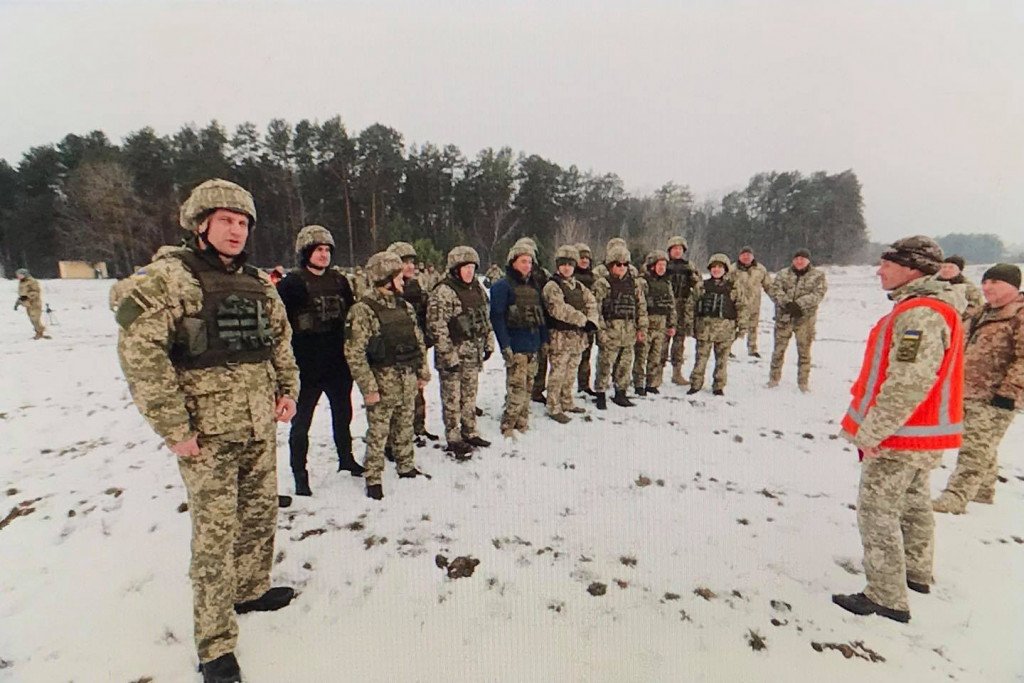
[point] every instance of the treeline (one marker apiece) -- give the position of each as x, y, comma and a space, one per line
90, 199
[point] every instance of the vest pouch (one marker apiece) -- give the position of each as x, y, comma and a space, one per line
242, 324
376, 351
711, 305
190, 338
328, 308
304, 322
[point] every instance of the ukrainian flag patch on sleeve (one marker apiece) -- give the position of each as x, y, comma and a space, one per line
909, 344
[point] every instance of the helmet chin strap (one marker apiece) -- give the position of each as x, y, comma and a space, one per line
206, 244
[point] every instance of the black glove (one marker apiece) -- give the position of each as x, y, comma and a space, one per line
590, 326
1004, 402
487, 354
793, 308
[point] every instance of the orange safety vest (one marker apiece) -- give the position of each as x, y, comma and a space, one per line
937, 423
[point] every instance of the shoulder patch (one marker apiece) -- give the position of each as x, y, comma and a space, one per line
908, 346
128, 312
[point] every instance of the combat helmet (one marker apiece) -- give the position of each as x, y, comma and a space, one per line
312, 236
567, 252
21, 272
617, 254
403, 250
654, 256
518, 249
461, 255
382, 267
215, 194
529, 242
719, 258
584, 250
677, 241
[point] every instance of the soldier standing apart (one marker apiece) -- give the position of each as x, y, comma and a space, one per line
649, 364
622, 322
457, 317
907, 407
719, 305
585, 276
517, 318
797, 292
952, 271
30, 295
993, 389
416, 296
317, 298
685, 278
384, 348
571, 315
750, 278
205, 346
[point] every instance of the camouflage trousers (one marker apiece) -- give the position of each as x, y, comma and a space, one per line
720, 374
541, 376
784, 331
389, 422
419, 418
583, 373
977, 463
458, 400
615, 346
564, 352
648, 363
676, 347
35, 316
519, 374
232, 500
897, 529
748, 328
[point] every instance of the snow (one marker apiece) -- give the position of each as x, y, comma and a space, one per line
750, 496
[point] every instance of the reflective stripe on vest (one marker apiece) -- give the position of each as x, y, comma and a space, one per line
937, 423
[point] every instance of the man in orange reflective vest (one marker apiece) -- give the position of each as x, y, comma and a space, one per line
907, 408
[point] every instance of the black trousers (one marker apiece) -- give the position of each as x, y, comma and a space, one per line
338, 388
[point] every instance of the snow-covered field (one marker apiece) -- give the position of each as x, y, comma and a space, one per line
746, 499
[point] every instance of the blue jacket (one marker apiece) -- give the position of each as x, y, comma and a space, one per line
521, 341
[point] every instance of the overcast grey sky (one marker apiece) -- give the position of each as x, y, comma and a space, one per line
924, 100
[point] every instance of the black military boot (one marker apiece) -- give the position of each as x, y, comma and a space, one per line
375, 491
718, 392
428, 435
271, 601
692, 390
349, 464
224, 669
620, 399
641, 392
389, 454
412, 474
653, 390
284, 501
586, 390
478, 412
477, 442
919, 587
302, 483
601, 400
858, 603
460, 450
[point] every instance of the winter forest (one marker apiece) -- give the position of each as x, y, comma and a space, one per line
88, 198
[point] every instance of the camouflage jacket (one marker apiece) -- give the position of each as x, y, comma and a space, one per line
442, 307
556, 306
994, 357
908, 381
121, 288
806, 289
645, 287
602, 287
494, 273
974, 299
236, 401
751, 281
30, 295
361, 325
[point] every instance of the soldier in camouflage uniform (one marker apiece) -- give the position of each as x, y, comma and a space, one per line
649, 363
719, 304
750, 278
30, 295
416, 296
622, 322
952, 272
905, 410
517, 318
685, 278
571, 315
585, 276
317, 298
492, 275
384, 348
993, 389
430, 277
457, 317
205, 346
797, 292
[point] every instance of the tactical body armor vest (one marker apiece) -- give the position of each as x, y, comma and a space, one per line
659, 295
324, 309
715, 301
231, 327
586, 277
472, 322
396, 344
573, 297
414, 295
526, 312
621, 303
680, 273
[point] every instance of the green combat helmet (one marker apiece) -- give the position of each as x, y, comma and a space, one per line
383, 267
616, 253
567, 252
719, 258
212, 195
312, 236
518, 249
584, 250
654, 256
21, 272
529, 242
403, 250
677, 241
461, 255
